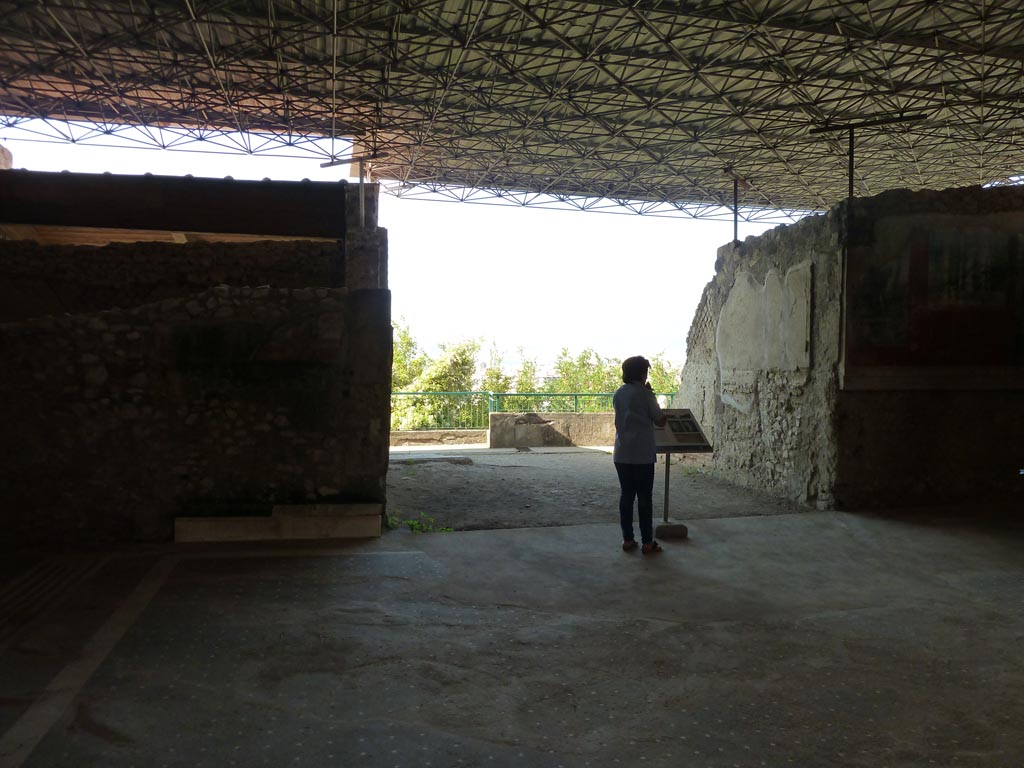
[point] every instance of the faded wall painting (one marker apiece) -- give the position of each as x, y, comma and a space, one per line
934, 293
763, 328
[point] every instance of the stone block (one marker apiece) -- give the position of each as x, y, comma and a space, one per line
671, 530
287, 523
533, 430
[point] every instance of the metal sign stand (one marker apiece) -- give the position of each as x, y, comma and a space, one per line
669, 529
680, 434
668, 465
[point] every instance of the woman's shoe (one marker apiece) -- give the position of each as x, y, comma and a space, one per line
650, 547
628, 546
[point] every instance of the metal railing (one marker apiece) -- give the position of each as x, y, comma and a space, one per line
439, 410
551, 402
471, 410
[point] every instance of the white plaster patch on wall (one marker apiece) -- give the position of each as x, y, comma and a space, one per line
763, 328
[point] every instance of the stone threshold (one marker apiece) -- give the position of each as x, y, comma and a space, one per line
287, 522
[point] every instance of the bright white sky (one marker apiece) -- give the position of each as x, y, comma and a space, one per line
514, 277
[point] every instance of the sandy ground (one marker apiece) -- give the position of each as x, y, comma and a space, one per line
473, 488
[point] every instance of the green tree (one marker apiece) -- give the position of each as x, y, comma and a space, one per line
589, 372
408, 360
524, 380
526, 376
586, 372
664, 375
494, 378
451, 371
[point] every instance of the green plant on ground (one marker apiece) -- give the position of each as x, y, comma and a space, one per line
421, 524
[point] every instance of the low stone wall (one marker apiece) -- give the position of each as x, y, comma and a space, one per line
538, 430
438, 436
228, 401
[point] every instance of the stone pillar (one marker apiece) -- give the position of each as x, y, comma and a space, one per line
366, 258
6, 159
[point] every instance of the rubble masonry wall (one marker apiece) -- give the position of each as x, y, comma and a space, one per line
942, 419
230, 378
760, 371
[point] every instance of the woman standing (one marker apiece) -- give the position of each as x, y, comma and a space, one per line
636, 414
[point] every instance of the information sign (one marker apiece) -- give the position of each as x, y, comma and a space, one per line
681, 433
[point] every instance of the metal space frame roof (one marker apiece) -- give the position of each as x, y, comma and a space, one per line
655, 106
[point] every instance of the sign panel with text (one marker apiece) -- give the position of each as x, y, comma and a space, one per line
681, 433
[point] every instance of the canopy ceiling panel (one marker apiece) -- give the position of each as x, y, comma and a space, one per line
660, 103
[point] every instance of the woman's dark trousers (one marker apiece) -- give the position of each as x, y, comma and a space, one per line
636, 482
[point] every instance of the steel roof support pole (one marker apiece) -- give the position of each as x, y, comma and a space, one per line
362, 194
735, 210
850, 193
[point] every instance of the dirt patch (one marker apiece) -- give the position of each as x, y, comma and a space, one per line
487, 489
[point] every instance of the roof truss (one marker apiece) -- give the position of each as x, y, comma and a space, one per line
651, 106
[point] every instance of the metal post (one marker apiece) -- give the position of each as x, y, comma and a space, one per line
668, 463
362, 196
735, 210
850, 195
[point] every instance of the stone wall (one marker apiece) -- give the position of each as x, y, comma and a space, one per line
934, 448
761, 360
229, 400
366, 258
931, 411
539, 430
400, 437
39, 280
925, 418
145, 381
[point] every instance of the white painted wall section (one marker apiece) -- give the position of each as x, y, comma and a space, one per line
763, 328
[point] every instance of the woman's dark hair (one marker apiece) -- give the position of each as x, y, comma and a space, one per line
635, 369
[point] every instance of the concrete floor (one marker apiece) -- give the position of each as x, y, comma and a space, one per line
811, 639
475, 488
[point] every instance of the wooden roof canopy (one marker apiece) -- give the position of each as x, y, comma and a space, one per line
655, 107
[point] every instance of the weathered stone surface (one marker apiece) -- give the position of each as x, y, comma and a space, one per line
38, 280
938, 419
116, 422
766, 326
533, 430
439, 437
759, 367
6, 159
767, 392
359, 521
366, 263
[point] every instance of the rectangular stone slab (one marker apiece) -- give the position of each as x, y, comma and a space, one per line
355, 521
